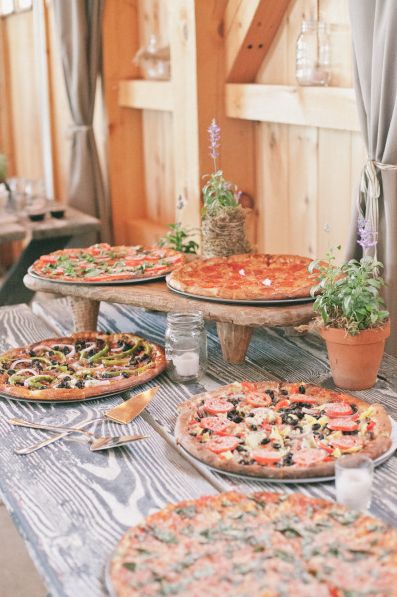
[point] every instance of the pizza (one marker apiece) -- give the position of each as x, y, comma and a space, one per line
280, 430
260, 545
247, 277
103, 263
78, 367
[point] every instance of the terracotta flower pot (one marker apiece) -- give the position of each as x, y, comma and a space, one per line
355, 360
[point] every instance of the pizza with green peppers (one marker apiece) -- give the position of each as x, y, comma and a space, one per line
78, 367
280, 430
260, 545
102, 263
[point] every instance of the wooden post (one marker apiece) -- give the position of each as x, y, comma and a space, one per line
234, 341
85, 313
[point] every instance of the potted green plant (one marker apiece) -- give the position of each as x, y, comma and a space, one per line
178, 238
354, 321
223, 218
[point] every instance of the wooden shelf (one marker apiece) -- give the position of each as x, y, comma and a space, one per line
325, 107
146, 95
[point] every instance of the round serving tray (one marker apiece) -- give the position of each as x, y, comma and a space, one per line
258, 303
378, 461
85, 283
75, 400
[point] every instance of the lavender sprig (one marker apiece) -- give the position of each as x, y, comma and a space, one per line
215, 137
367, 236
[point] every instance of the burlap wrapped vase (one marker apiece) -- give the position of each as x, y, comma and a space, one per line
224, 232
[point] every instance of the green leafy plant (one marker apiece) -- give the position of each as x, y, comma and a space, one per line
218, 193
176, 239
348, 295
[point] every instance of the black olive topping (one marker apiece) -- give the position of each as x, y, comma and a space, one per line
284, 392
32, 353
2, 371
11, 371
354, 432
287, 461
300, 415
270, 393
125, 374
265, 441
80, 384
51, 353
276, 446
241, 449
302, 390
254, 427
354, 408
316, 426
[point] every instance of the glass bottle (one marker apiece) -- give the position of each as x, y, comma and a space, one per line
154, 61
313, 50
186, 346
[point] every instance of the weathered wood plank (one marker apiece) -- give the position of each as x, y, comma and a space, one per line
148, 95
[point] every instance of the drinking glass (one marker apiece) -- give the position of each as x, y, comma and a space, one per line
186, 346
353, 478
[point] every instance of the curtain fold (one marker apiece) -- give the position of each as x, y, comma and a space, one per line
374, 27
79, 26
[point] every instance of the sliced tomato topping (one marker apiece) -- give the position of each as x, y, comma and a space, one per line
302, 398
263, 456
325, 447
258, 400
282, 404
346, 442
342, 425
48, 259
248, 386
371, 426
217, 405
217, 426
222, 444
309, 456
334, 410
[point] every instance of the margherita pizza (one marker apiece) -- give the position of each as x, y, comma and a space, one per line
82, 366
261, 545
247, 277
103, 263
280, 430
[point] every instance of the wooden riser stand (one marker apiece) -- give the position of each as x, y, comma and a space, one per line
234, 322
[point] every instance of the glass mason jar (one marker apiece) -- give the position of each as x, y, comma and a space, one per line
186, 346
313, 54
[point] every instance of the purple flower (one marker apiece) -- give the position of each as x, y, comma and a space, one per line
367, 236
215, 136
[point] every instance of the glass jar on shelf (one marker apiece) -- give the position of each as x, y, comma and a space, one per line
186, 346
154, 61
313, 54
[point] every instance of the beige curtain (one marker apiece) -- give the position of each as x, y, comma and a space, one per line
374, 30
79, 24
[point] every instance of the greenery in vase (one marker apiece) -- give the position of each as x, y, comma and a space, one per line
176, 239
218, 193
349, 295
3, 167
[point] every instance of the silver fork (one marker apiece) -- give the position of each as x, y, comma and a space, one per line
95, 442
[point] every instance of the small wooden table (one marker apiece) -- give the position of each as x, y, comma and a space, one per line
44, 237
235, 323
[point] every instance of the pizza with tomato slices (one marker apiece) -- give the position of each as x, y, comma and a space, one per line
280, 430
105, 264
259, 545
78, 367
248, 277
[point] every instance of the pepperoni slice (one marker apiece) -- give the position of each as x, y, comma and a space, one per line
309, 456
217, 405
217, 426
302, 398
258, 400
222, 444
334, 410
263, 456
346, 442
342, 425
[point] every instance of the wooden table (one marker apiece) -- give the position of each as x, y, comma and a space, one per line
71, 505
234, 323
49, 235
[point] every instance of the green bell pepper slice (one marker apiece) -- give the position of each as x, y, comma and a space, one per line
34, 381
97, 356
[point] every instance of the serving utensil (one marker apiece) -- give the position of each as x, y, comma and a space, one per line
122, 413
95, 442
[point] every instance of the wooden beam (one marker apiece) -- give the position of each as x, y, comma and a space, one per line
250, 29
324, 107
147, 95
125, 142
6, 132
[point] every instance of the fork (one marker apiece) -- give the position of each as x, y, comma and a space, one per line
96, 442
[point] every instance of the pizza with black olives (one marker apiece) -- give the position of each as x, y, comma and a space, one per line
280, 430
78, 367
259, 545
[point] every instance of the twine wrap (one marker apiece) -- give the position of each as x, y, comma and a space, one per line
368, 199
224, 234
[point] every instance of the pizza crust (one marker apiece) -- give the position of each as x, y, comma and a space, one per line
79, 394
374, 448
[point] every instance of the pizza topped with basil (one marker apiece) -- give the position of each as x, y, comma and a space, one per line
280, 430
260, 545
248, 277
85, 365
105, 264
